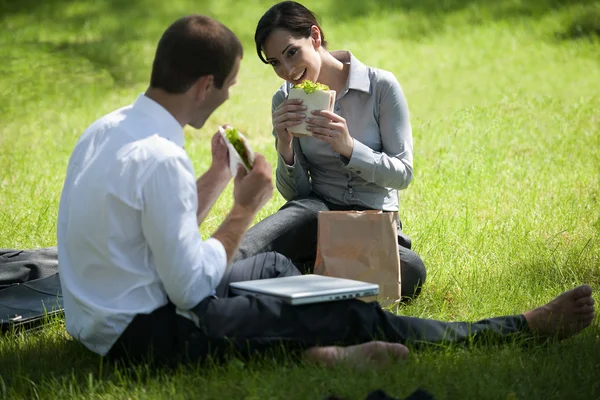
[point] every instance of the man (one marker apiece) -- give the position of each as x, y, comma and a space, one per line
140, 283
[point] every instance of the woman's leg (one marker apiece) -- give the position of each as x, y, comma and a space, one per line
291, 231
412, 268
412, 273
261, 266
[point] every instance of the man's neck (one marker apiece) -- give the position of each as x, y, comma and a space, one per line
173, 103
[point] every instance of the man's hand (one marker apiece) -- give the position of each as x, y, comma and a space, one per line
252, 190
211, 184
220, 157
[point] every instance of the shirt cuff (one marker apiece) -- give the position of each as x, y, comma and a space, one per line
362, 159
289, 169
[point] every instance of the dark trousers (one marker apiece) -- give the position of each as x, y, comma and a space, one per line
292, 231
255, 324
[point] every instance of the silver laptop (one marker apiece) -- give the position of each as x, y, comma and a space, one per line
306, 289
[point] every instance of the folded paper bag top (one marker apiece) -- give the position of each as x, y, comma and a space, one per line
315, 97
240, 152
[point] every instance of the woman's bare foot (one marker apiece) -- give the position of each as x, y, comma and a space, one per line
565, 316
371, 353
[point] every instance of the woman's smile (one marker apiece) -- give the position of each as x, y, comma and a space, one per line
298, 78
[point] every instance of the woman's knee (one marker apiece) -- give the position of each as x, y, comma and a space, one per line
413, 274
282, 265
306, 208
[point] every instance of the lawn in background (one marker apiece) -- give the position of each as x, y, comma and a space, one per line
504, 208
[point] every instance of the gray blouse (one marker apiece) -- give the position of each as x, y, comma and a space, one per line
376, 112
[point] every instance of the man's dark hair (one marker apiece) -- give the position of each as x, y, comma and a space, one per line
192, 47
287, 15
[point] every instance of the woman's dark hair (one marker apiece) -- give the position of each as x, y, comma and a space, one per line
287, 15
192, 47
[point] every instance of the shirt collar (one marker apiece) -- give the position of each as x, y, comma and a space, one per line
170, 127
358, 77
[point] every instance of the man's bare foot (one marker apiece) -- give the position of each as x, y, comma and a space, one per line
371, 353
565, 316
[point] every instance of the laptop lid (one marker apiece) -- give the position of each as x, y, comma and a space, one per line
306, 289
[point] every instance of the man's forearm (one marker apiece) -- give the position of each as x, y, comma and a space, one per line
232, 230
209, 187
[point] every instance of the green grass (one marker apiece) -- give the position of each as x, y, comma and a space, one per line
504, 208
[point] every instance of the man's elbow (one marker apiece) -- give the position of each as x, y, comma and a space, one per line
186, 296
186, 301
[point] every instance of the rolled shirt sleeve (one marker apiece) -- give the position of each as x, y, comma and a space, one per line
190, 269
393, 166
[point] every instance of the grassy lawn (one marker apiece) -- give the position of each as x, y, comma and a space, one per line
504, 208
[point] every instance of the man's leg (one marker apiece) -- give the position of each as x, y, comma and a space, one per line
259, 322
162, 336
261, 266
291, 231
253, 324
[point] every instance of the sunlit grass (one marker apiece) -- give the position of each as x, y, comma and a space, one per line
504, 208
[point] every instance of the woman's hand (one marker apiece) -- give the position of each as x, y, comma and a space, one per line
331, 128
288, 114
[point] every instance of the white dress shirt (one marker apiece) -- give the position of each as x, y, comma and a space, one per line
128, 238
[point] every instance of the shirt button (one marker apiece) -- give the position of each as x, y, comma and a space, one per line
350, 191
338, 108
358, 172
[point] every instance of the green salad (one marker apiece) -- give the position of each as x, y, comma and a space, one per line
309, 86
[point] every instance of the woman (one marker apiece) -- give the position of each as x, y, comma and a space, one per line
359, 156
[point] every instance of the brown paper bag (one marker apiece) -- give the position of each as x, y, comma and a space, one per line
360, 245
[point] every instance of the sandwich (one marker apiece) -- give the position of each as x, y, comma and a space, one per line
316, 97
240, 152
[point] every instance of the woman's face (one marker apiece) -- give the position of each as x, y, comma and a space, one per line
293, 58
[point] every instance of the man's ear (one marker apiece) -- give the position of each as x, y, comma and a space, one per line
203, 86
315, 35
